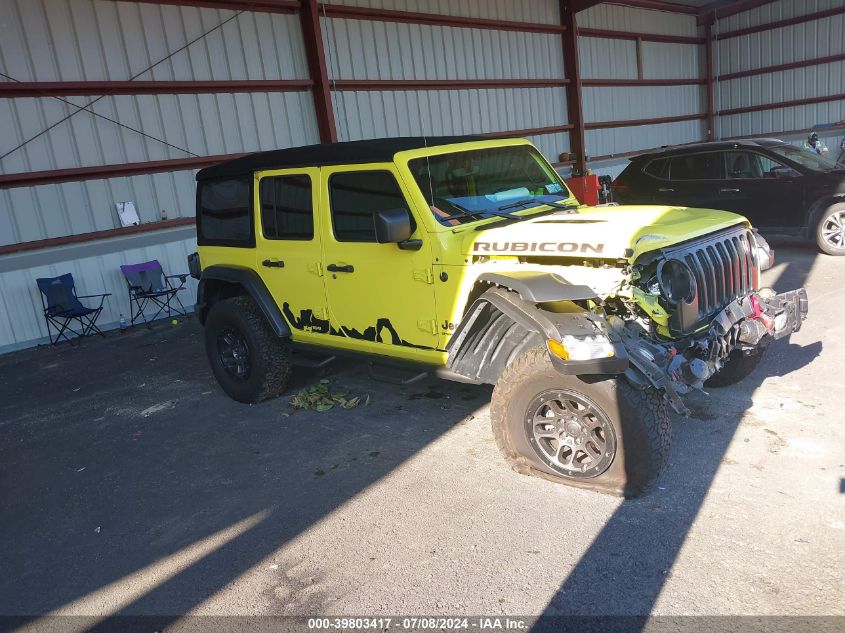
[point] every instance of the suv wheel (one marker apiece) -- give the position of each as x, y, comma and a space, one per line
603, 435
830, 232
249, 361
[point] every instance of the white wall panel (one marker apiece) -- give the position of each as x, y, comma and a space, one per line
794, 43
776, 11
663, 60
632, 139
604, 58
34, 213
620, 18
646, 102
358, 49
100, 40
799, 42
772, 122
20, 299
372, 114
787, 85
539, 11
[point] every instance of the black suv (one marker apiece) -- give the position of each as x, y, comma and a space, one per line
777, 186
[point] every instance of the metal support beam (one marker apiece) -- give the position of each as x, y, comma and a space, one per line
572, 71
314, 53
708, 64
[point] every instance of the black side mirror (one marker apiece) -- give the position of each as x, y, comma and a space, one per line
393, 226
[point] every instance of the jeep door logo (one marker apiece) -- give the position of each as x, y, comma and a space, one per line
536, 247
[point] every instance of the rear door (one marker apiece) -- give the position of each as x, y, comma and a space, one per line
288, 248
693, 181
767, 192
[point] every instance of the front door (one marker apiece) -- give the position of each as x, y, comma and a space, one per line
380, 296
288, 248
768, 193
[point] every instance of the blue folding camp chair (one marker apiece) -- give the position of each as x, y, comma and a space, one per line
148, 284
62, 307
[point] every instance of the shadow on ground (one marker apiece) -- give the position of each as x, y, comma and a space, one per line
607, 580
123, 452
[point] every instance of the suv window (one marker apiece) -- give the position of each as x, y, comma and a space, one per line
286, 209
224, 215
658, 168
696, 167
356, 196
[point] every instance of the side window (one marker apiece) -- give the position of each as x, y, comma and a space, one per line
658, 168
224, 215
356, 196
286, 210
742, 165
696, 167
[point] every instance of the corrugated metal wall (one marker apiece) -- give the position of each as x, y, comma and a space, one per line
606, 58
97, 40
94, 40
362, 50
100, 40
794, 43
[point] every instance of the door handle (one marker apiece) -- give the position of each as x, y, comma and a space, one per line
729, 190
273, 263
337, 268
665, 190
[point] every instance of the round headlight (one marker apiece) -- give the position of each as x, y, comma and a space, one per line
676, 281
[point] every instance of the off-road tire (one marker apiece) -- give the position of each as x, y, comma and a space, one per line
821, 242
268, 354
639, 419
737, 367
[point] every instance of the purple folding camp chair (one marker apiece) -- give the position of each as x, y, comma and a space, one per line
149, 285
62, 306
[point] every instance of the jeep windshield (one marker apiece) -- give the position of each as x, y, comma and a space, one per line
811, 161
474, 185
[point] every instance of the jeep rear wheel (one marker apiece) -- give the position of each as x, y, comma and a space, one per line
830, 231
250, 362
604, 435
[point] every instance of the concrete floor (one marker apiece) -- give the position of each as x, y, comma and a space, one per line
130, 484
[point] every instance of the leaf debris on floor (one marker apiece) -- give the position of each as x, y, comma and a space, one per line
318, 397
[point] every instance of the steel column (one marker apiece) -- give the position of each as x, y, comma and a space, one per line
572, 72
314, 53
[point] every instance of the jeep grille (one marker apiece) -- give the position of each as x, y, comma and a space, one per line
725, 268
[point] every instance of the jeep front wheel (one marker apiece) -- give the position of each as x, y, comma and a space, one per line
599, 434
250, 362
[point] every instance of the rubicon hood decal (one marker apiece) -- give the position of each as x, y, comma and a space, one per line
600, 232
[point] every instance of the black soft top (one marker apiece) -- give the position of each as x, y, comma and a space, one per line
351, 152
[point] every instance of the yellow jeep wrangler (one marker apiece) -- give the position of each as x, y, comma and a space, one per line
470, 258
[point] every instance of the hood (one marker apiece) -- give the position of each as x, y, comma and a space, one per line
623, 232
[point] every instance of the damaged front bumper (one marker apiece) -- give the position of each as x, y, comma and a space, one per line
748, 324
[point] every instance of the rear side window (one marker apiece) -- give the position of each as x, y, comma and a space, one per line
658, 168
355, 197
696, 167
286, 210
224, 215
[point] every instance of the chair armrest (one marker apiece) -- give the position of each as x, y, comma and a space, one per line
105, 294
182, 277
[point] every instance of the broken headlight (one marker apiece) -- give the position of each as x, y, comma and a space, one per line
571, 347
677, 283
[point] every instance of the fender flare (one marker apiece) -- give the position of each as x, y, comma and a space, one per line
479, 358
252, 284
